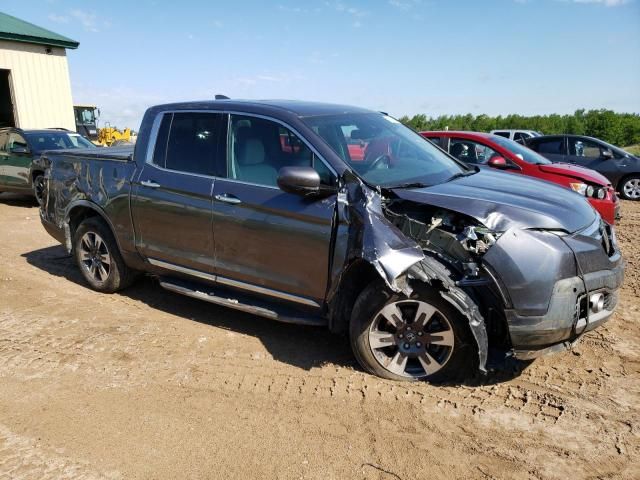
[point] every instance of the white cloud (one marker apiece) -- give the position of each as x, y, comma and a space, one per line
404, 4
356, 13
87, 19
58, 18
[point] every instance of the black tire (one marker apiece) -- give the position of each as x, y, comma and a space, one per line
459, 361
630, 188
38, 187
118, 275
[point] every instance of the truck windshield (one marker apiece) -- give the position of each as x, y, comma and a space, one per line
41, 141
521, 151
85, 115
384, 152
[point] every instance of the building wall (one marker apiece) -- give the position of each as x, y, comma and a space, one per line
40, 85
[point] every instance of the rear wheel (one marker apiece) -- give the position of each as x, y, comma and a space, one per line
98, 258
417, 338
38, 187
630, 189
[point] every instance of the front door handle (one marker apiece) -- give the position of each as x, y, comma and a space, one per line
227, 198
149, 183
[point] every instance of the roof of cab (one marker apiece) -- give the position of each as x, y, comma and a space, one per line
268, 107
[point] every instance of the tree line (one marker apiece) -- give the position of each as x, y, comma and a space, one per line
620, 129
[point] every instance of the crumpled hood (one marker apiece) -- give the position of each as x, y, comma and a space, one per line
577, 172
502, 200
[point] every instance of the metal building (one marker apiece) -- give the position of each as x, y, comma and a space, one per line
35, 90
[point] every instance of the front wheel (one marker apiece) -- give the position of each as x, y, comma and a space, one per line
38, 188
98, 258
417, 338
630, 189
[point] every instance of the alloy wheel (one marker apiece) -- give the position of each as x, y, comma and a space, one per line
38, 189
411, 338
631, 188
95, 257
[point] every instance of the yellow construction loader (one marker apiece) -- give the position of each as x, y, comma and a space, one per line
107, 135
86, 125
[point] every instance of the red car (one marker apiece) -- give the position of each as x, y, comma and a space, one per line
504, 154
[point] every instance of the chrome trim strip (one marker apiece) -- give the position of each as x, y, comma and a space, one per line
185, 270
267, 291
234, 283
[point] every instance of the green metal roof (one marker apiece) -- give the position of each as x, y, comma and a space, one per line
12, 28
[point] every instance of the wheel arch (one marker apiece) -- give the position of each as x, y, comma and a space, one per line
626, 177
79, 211
355, 278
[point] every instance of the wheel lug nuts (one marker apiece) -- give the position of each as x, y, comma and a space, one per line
418, 344
419, 334
406, 345
400, 335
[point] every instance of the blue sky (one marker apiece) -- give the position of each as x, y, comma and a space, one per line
401, 56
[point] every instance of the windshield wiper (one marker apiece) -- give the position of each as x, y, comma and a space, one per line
410, 185
463, 174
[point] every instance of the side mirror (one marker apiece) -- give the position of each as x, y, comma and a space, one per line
606, 154
498, 162
299, 180
19, 150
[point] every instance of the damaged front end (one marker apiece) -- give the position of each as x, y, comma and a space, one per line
407, 242
522, 279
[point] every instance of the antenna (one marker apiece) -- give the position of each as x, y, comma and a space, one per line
221, 97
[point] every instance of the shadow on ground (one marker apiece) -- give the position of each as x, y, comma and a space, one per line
301, 346
18, 200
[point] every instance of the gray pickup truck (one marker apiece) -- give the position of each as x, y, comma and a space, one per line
338, 216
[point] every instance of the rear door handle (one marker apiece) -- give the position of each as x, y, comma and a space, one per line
149, 183
227, 198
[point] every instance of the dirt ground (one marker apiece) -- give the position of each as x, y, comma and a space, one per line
149, 384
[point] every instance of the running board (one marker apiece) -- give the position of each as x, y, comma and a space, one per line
242, 303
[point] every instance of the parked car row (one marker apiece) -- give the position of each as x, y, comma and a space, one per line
428, 257
507, 155
620, 167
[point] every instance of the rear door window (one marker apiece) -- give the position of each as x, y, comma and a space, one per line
188, 142
549, 146
502, 134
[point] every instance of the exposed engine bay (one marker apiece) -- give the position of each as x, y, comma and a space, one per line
458, 239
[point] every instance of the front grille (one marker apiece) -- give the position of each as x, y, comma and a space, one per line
606, 235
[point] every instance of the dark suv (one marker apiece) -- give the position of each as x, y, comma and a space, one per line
19, 151
620, 167
260, 206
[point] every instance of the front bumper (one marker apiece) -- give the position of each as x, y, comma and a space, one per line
566, 319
